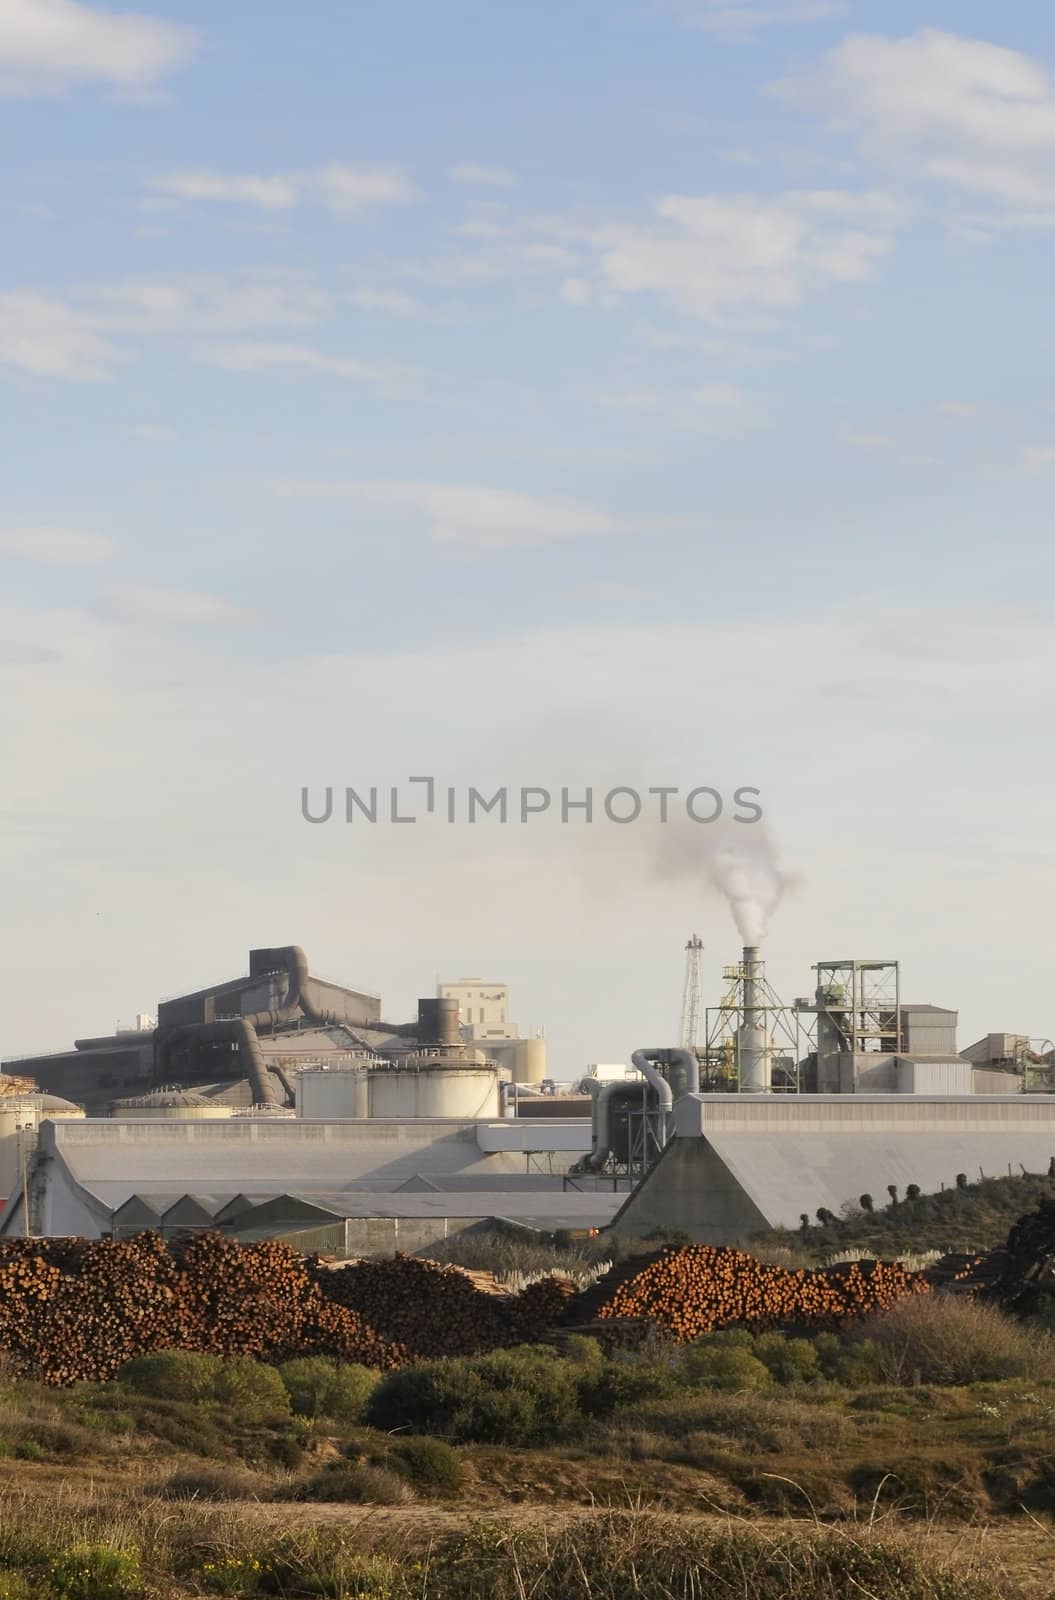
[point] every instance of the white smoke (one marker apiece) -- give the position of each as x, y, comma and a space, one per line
742, 862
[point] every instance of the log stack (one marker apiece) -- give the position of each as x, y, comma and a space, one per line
693, 1291
74, 1311
430, 1309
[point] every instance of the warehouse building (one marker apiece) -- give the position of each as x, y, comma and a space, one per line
398, 1184
740, 1164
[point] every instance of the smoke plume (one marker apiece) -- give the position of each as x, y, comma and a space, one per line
742, 863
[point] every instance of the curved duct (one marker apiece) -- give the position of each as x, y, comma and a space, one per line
683, 1060
233, 1030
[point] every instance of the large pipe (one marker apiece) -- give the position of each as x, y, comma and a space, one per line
232, 1030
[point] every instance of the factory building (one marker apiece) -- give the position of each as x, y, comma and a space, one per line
738, 1164
279, 1103
242, 1042
396, 1183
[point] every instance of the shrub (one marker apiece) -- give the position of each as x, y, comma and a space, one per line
212, 1483
319, 1387
255, 1391
172, 1375
623, 1383
945, 1340
512, 1397
429, 1464
96, 1572
358, 1483
788, 1360
728, 1369
231, 1575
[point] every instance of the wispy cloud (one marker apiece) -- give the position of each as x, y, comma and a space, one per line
468, 515
57, 547
1037, 456
953, 110
392, 303
51, 339
713, 253
264, 356
473, 176
345, 191
86, 335
48, 46
148, 603
740, 18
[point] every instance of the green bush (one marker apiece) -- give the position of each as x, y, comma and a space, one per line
255, 1391
429, 1464
623, 1383
788, 1360
319, 1387
718, 1367
172, 1375
96, 1572
513, 1397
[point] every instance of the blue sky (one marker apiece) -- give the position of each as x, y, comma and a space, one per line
579, 393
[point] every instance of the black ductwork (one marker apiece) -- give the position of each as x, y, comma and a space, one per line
233, 1030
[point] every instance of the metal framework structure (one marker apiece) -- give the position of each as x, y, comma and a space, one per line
858, 1007
788, 1027
690, 1004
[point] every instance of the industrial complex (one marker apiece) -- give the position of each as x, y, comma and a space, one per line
280, 1104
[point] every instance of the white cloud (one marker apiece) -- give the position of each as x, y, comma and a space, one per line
709, 253
740, 18
57, 547
391, 302
343, 190
469, 516
262, 356
271, 194
47, 46
154, 432
481, 177
84, 336
961, 410
47, 337
150, 603
576, 291
955, 110
1039, 455
862, 440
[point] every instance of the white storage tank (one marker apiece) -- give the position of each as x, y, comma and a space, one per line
434, 1086
329, 1094
525, 1059
20, 1119
175, 1105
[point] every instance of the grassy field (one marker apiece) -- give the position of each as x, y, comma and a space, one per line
911, 1460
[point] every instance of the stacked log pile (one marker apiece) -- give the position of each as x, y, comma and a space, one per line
74, 1311
693, 1291
430, 1309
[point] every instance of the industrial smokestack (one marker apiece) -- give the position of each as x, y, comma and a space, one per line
754, 1050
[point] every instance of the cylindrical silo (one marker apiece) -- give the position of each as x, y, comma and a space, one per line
329, 1094
16, 1116
438, 1021
434, 1086
525, 1059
